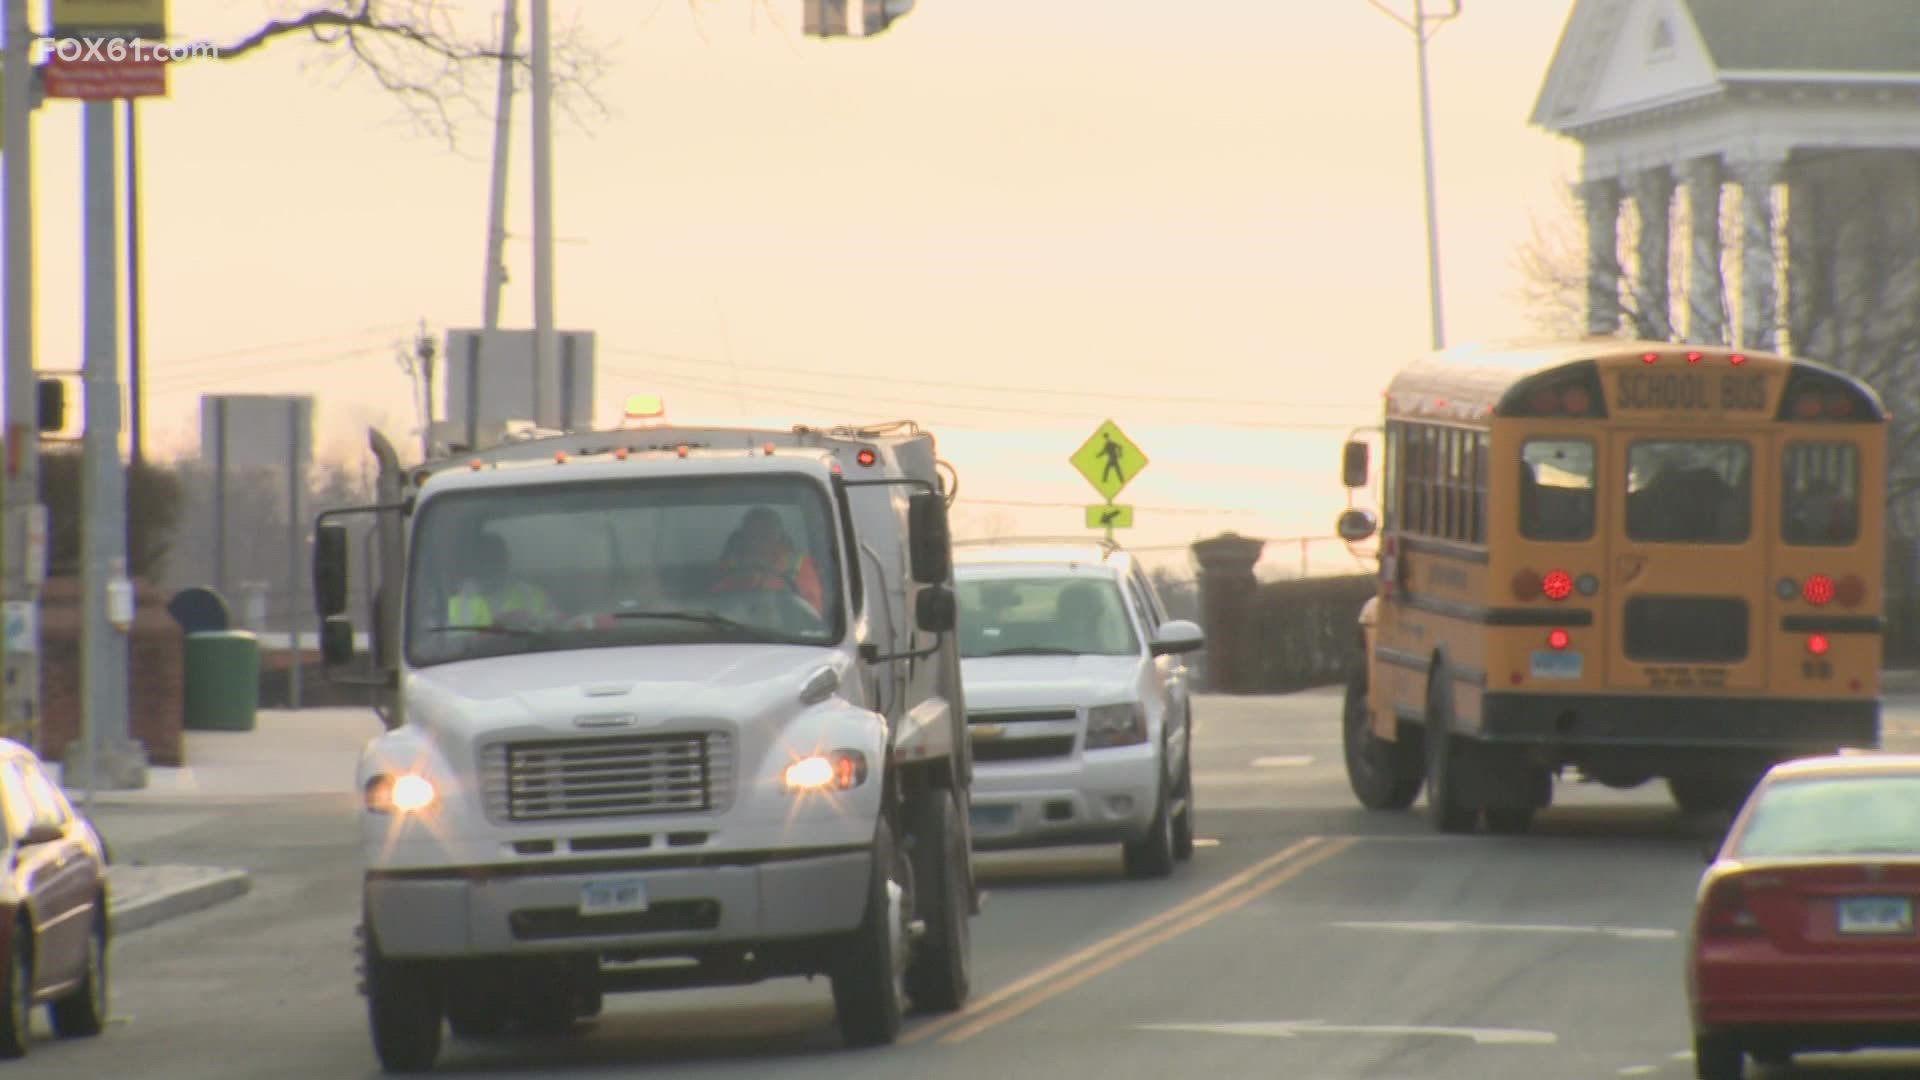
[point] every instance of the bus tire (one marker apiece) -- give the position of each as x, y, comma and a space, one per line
1384, 775
1443, 755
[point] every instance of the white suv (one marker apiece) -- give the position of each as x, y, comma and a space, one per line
1077, 701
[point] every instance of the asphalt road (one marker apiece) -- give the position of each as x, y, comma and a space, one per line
1307, 939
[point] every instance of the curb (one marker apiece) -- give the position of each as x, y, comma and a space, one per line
165, 904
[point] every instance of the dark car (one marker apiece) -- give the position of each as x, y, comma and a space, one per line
54, 897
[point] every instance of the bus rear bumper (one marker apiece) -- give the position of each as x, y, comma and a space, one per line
1636, 720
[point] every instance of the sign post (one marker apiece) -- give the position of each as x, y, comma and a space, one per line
104, 50
1109, 460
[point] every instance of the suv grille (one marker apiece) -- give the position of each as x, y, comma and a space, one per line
1687, 629
620, 776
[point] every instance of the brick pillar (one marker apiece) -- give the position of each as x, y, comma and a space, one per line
1227, 588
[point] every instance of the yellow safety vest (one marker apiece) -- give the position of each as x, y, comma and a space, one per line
472, 609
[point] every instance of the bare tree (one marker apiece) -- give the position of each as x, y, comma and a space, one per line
1852, 246
416, 50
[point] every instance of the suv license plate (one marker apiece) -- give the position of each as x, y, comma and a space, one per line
613, 897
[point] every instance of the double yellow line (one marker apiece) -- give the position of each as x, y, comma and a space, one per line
1110, 952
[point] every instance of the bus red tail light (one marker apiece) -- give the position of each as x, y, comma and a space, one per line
1558, 639
1557, 585
1817, 644
1726, 914
1818, 589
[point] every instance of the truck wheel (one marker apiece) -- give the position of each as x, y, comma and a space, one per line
867, 990
474, 1013
1152, 855
1447, 815
404, 1010
1384, 775
940, 975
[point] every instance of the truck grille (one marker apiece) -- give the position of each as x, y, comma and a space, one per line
619, 776
1687, 629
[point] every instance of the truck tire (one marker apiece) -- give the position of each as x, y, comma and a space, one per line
405, 1010
1151, 856
1443, 749
940, 974
867, 981
1384, 775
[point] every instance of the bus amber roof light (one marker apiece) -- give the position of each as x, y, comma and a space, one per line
1557, 585
1649, 358
1818, 590
1817, 644
1695, 357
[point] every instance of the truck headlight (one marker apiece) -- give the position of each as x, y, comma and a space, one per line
839, 770
1116, 725
402, 794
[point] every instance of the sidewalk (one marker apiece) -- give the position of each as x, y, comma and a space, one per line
308, 752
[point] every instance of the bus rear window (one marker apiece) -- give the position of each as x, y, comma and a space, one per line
1820, 494
1689, 491
1556, 489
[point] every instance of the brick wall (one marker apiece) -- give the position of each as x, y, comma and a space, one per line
156, 657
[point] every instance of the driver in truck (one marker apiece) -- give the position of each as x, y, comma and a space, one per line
487, 595
759, 555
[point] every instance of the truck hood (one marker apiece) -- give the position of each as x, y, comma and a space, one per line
649, 683
1005, 682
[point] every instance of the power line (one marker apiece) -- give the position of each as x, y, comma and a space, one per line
263, 352
942, 384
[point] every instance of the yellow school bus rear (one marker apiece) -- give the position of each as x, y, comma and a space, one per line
1678, 575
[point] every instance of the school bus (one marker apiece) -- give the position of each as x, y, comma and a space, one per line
1633, 560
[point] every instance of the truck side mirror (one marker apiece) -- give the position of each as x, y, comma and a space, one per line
1355, 525
1353, 464
336, 641
930, 544
330, 569
935, 609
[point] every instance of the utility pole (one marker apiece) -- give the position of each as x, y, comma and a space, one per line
1424, 26
418, 365
25, 516
497, 196
111, 758
546, 351
136, 436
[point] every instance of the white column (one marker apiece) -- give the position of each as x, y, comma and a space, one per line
1706, 282
1653, 201
1759, 308
1601, 197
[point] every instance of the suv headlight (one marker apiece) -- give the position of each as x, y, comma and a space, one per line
1116, 725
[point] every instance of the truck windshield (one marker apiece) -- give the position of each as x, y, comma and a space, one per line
630, 562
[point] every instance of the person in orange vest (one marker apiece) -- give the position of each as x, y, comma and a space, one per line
760, 555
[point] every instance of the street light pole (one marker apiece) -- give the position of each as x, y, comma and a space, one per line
24, 511
1424, 26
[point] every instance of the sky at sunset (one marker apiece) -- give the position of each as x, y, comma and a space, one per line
1004, 219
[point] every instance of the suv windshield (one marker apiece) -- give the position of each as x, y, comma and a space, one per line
629, 562
1039, 616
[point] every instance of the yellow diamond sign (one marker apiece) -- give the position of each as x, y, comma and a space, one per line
1108, 459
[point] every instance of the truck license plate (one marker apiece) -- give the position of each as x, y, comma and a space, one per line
1876, 915
1556, 665
613, 897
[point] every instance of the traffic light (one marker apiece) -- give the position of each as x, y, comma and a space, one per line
851, 18
52, 405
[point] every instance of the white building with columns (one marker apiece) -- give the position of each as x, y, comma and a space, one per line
1767, 106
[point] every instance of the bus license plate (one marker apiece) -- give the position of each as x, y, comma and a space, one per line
1876, 915
1556, 665
614, 897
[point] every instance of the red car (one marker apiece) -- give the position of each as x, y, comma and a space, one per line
54, 899
1803, 935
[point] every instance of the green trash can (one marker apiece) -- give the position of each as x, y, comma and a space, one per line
223, 680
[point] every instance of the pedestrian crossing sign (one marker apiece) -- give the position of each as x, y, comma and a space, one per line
1108, 459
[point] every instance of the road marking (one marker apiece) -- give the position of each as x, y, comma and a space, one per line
1205, 841
1643, 933
1282, 761
1640, 1070
1287, 1029
1683, 1055
1070, 971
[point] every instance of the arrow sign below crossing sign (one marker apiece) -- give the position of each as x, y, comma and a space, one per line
1108, 459
1109, 516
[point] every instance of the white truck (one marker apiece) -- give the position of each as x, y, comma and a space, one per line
621, 755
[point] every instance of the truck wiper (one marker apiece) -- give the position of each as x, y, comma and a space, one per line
504, 631
1035, 650
704, 618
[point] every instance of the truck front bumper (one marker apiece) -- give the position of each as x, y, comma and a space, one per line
738, 899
